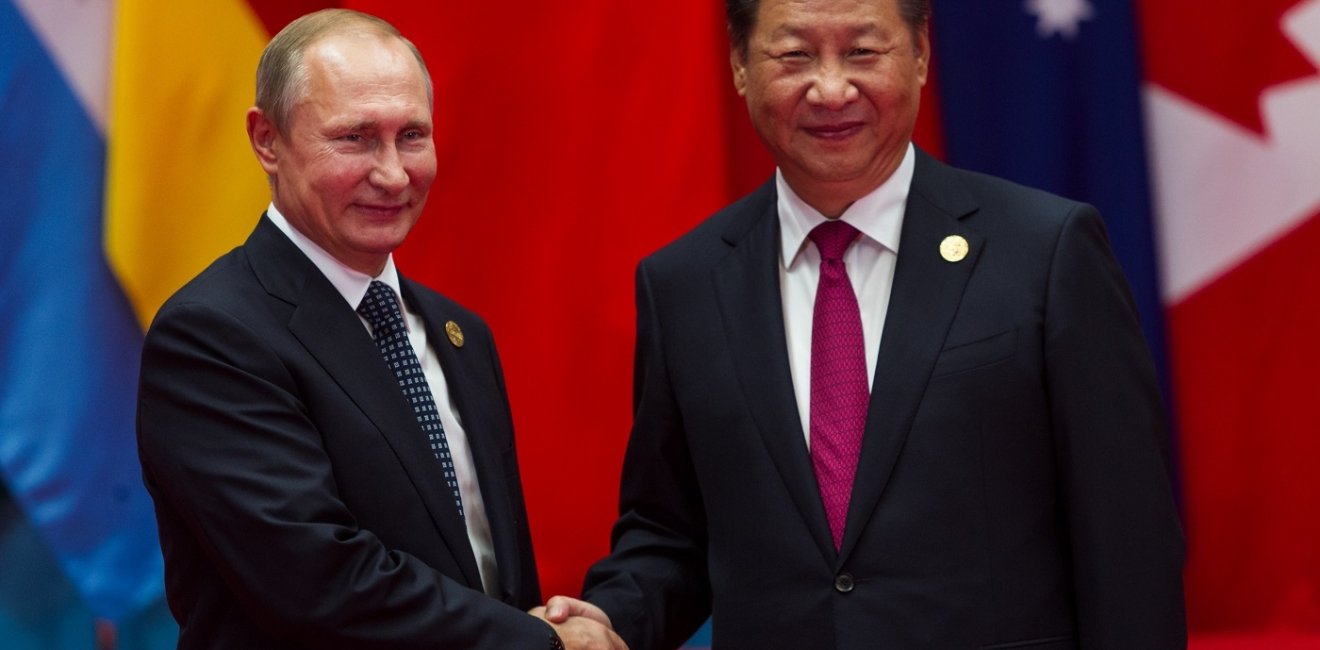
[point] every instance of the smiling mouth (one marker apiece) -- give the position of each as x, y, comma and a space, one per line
384, 211
382, 206
839, 131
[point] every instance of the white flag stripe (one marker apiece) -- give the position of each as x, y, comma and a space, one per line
1221, 192
77, 34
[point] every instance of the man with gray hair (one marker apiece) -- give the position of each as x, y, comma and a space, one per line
881, 402
328, 444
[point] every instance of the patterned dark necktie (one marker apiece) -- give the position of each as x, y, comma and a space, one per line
382, 312
839, 393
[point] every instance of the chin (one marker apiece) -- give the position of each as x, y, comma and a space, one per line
838, 174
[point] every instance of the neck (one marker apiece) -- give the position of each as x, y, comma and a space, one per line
832, 197
829, 199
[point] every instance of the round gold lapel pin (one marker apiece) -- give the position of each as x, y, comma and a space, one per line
954, 248
455, 333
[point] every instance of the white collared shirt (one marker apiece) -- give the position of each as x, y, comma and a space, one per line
353, 285
870, 262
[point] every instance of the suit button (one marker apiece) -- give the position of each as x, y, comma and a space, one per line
843, 583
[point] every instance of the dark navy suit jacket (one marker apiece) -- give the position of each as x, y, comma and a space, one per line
1012, 490
298, 501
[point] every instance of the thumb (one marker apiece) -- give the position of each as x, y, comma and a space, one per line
558, 609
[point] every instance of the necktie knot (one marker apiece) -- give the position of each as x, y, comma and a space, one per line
832, 239
381, 309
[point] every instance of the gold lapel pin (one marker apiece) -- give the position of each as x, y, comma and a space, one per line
954, 248
455, 333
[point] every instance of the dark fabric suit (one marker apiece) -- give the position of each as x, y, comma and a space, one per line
1012, 489
298, 502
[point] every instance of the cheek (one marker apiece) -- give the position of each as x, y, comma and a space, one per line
422, 175
777, 103
889, 96
341, 177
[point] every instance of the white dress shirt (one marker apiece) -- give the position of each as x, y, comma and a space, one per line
352, 285
870, 262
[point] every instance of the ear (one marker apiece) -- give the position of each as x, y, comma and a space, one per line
738, 62
923, 54
263, 134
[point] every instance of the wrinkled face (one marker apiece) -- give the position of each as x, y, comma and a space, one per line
832, 87
353, 168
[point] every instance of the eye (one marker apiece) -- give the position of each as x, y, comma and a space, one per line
862, 52
793, 55
352, 137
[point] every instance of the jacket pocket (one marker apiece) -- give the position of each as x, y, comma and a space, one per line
1049, 643
978, 353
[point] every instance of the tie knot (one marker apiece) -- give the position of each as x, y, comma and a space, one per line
833, 238
379, 306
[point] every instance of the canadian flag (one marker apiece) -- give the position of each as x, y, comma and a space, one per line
1232, 98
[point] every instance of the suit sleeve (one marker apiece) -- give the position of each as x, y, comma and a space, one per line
1126, 540
654, 584
237, 466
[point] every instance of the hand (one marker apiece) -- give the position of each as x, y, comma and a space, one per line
579, 624
560, 608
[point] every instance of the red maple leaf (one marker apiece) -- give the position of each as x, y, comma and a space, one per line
1221, 55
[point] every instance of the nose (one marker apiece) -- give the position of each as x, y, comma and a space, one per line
831, 88
388, 173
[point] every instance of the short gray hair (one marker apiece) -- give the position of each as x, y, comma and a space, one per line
281, 74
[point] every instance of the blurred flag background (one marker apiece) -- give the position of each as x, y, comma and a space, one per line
573, 142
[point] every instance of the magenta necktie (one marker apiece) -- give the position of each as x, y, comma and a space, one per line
839, 394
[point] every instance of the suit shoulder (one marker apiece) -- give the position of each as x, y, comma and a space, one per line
225, 284
434, 304
708, 241
997, 195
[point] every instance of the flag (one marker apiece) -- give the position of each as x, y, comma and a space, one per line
182, 186
1232, 100
68, 339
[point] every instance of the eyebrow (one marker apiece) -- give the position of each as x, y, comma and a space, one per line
362, 125
798, 31
374, 125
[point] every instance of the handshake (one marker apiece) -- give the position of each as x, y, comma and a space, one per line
579, 624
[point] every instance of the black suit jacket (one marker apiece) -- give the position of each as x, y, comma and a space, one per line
298, 502
1012, 490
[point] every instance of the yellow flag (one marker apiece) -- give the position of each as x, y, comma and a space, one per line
182, 185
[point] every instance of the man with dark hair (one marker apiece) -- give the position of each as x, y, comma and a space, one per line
881, 402
328, 444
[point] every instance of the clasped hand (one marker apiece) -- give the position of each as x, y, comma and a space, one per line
579, 624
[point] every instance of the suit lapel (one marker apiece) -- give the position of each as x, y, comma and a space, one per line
331, 332
926, 293
747, 288
479, 411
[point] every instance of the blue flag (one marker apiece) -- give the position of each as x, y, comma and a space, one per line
69, 344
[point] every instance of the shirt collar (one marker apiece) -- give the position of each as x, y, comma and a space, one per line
878, 215
350, 284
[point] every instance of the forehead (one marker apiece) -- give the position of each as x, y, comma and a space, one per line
794, 17
351, 67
